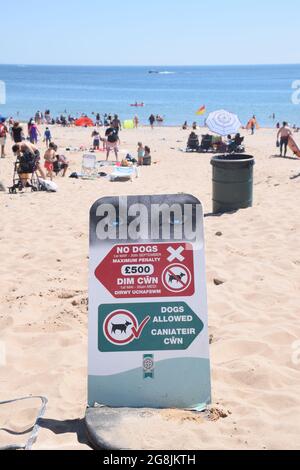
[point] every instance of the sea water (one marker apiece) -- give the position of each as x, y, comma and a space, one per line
175, 93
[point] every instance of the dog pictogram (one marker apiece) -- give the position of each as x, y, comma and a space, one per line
122, 328
176, 278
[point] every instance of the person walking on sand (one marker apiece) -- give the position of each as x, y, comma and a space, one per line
3, 134
284, 134
136, 122
47, 137
252, 124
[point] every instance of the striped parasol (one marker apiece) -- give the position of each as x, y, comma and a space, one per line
223, 122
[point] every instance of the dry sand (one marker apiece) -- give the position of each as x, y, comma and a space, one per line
253, 316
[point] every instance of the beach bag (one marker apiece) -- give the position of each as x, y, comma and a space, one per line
49, 186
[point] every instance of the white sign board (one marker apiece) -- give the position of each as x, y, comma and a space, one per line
148, 334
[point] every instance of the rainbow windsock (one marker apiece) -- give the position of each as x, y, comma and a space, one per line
201, 111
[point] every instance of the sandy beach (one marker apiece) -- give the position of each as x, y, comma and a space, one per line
253, 315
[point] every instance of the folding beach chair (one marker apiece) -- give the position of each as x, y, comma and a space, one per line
89, 166
123, 173
33, 430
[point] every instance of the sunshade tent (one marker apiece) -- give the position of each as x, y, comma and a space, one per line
84, 122
128, 124
223, 122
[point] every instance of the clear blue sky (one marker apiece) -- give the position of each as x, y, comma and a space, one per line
153, 32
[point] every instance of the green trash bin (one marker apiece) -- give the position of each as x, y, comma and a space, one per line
232, 182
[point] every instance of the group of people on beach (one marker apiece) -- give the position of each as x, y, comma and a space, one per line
29, 161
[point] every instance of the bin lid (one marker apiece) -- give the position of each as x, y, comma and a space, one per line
237, 159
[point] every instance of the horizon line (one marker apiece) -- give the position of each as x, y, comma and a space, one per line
150, 65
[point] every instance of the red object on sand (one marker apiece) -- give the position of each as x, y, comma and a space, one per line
84, 122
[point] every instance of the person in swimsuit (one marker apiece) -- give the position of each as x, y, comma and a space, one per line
284, 134
50, 158
140, 153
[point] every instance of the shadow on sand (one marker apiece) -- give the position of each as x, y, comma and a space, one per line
211, 214
284, 158
75, 426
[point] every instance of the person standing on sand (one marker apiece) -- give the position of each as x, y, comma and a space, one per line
284, 134
136, 122
33, 133
17, 133
112, 142
26, 147
50, 158
3, 134
116, 123
253, 125
152, 120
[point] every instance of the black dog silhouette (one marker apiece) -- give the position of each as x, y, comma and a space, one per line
173, 277
122, 327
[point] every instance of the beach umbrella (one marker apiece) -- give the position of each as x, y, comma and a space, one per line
223, 122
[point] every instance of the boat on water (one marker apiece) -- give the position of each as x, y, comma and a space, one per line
138, 105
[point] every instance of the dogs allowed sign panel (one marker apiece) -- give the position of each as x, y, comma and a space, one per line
148, 333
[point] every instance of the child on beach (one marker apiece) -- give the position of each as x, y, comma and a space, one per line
147, 157
140, 153
144, 160
96, 140
47, 137
50, 158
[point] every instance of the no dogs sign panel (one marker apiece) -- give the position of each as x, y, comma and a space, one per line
148, 334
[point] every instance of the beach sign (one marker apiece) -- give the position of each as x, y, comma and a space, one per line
148, 331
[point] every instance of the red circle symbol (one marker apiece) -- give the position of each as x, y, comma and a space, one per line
121, 327
176, 278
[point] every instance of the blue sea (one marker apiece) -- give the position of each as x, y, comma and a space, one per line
174, 92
